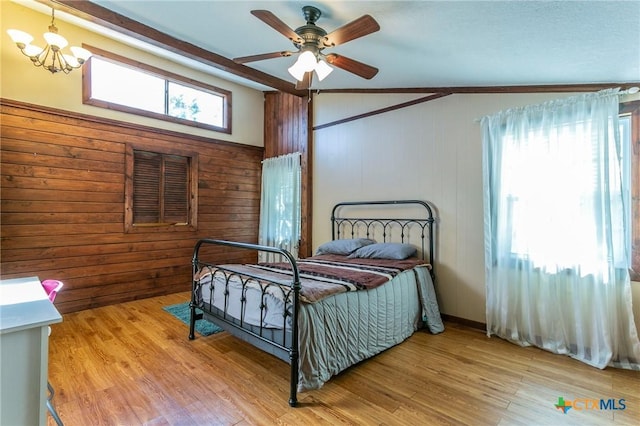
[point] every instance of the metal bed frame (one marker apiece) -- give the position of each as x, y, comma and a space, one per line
283, 343
386, 225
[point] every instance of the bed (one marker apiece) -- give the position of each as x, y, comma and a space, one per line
367, 289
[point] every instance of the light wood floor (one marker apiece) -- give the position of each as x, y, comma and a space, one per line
132, 364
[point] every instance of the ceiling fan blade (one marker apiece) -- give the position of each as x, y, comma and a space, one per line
274, 22
260, 57
354, 29
306, 82
353, 66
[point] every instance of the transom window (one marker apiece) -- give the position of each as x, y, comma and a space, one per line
117, 83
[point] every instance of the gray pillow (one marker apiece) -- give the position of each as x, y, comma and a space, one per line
343, 247
395, 251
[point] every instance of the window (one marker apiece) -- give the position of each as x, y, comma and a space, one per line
114, 82
160, 190
572, 171
280, 205
630, 133
531, 231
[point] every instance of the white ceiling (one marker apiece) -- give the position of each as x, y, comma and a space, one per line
423, 43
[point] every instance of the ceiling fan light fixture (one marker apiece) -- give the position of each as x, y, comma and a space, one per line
307, 61
297, 71
323, 69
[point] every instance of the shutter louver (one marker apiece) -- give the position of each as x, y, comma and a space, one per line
176, 189
146, 193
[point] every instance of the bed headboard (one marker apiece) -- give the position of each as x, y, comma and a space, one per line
389, 223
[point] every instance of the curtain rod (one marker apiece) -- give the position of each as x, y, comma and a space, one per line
630, 91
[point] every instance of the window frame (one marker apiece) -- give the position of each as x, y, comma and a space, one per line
192, 223
633, 110
87, 98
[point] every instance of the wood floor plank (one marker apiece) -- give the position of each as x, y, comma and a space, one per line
133, 364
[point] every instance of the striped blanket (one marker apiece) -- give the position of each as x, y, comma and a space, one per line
325, 275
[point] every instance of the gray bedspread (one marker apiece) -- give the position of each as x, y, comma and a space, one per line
350, 327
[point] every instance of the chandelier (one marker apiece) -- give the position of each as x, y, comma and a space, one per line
51, 57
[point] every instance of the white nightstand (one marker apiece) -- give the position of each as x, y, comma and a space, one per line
25, 316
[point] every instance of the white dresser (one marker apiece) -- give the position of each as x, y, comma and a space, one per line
25, 316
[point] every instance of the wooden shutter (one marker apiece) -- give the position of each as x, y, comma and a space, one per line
161, 190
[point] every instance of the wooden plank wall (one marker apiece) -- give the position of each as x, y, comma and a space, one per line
62, 206
287, 121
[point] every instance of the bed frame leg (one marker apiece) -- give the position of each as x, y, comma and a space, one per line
293, 356
192, 322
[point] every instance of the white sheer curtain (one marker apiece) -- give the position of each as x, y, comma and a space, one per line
280, 206
556, 224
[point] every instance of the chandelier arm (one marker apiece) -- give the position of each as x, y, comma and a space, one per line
54, 56
64, 64
40, 59
65, 67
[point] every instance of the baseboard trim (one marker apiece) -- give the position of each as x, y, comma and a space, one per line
466, 322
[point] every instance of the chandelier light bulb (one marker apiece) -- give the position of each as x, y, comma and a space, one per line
32, 51
82, 55
55, 40
20, 38
72, 61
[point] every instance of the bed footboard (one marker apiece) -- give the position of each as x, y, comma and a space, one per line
280, 342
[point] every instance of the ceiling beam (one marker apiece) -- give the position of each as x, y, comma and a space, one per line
381, 110
101, 16
551, 88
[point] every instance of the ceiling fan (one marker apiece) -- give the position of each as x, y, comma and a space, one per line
311, 40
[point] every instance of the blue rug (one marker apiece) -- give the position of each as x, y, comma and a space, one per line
182, 312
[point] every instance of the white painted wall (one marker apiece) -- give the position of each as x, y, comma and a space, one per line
430, 151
